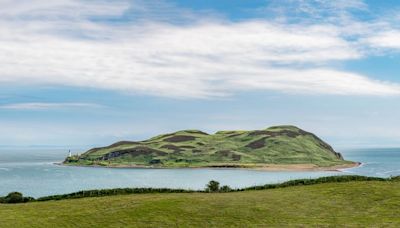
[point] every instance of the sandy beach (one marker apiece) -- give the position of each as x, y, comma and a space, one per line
266, 167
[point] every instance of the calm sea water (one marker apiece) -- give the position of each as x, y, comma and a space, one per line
33, 173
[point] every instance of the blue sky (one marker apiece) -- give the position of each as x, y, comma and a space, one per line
84, 73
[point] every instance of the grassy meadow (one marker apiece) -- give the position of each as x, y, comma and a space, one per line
347, 204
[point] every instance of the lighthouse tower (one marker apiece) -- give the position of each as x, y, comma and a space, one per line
69, 155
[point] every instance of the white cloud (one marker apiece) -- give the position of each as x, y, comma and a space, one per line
322, 6
50, 44
318, 81
386, 39
337, 12
59, 10
43, 106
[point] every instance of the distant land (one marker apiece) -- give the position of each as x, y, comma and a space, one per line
275, 148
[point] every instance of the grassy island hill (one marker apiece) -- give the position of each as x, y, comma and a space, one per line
276, 147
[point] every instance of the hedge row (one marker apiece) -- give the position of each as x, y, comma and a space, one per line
320, 180
111, 192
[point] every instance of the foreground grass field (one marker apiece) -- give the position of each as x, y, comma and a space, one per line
353, 204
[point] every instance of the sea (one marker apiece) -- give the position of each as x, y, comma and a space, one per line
34, 173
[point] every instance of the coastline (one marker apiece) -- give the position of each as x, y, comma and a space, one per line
266, 167
310, 167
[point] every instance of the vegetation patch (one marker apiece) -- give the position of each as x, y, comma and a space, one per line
15, 197
260, 143
172, 147
180, 138
140, 150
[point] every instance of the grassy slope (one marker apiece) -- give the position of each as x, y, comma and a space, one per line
275, 145
354, 204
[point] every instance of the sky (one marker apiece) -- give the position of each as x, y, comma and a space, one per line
89, 73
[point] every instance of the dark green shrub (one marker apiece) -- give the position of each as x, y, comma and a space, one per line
14, 197
225, 188
28, 199
212, 186
396, 178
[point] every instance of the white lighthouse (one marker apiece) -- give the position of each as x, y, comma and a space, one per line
70, 154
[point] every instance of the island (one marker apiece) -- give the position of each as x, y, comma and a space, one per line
274, 148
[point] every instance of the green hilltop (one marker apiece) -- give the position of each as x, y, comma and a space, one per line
279, 145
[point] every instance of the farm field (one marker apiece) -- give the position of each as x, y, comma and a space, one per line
354, 204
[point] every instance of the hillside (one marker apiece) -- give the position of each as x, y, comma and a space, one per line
274, 147
352, 204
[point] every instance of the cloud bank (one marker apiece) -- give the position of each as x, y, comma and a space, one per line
73, 43
46, 106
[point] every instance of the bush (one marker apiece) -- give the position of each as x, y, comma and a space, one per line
395, 178
212, 186
14, 197
28, 199
225, 188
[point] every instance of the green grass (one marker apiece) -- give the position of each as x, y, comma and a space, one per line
274, 145
350, 204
